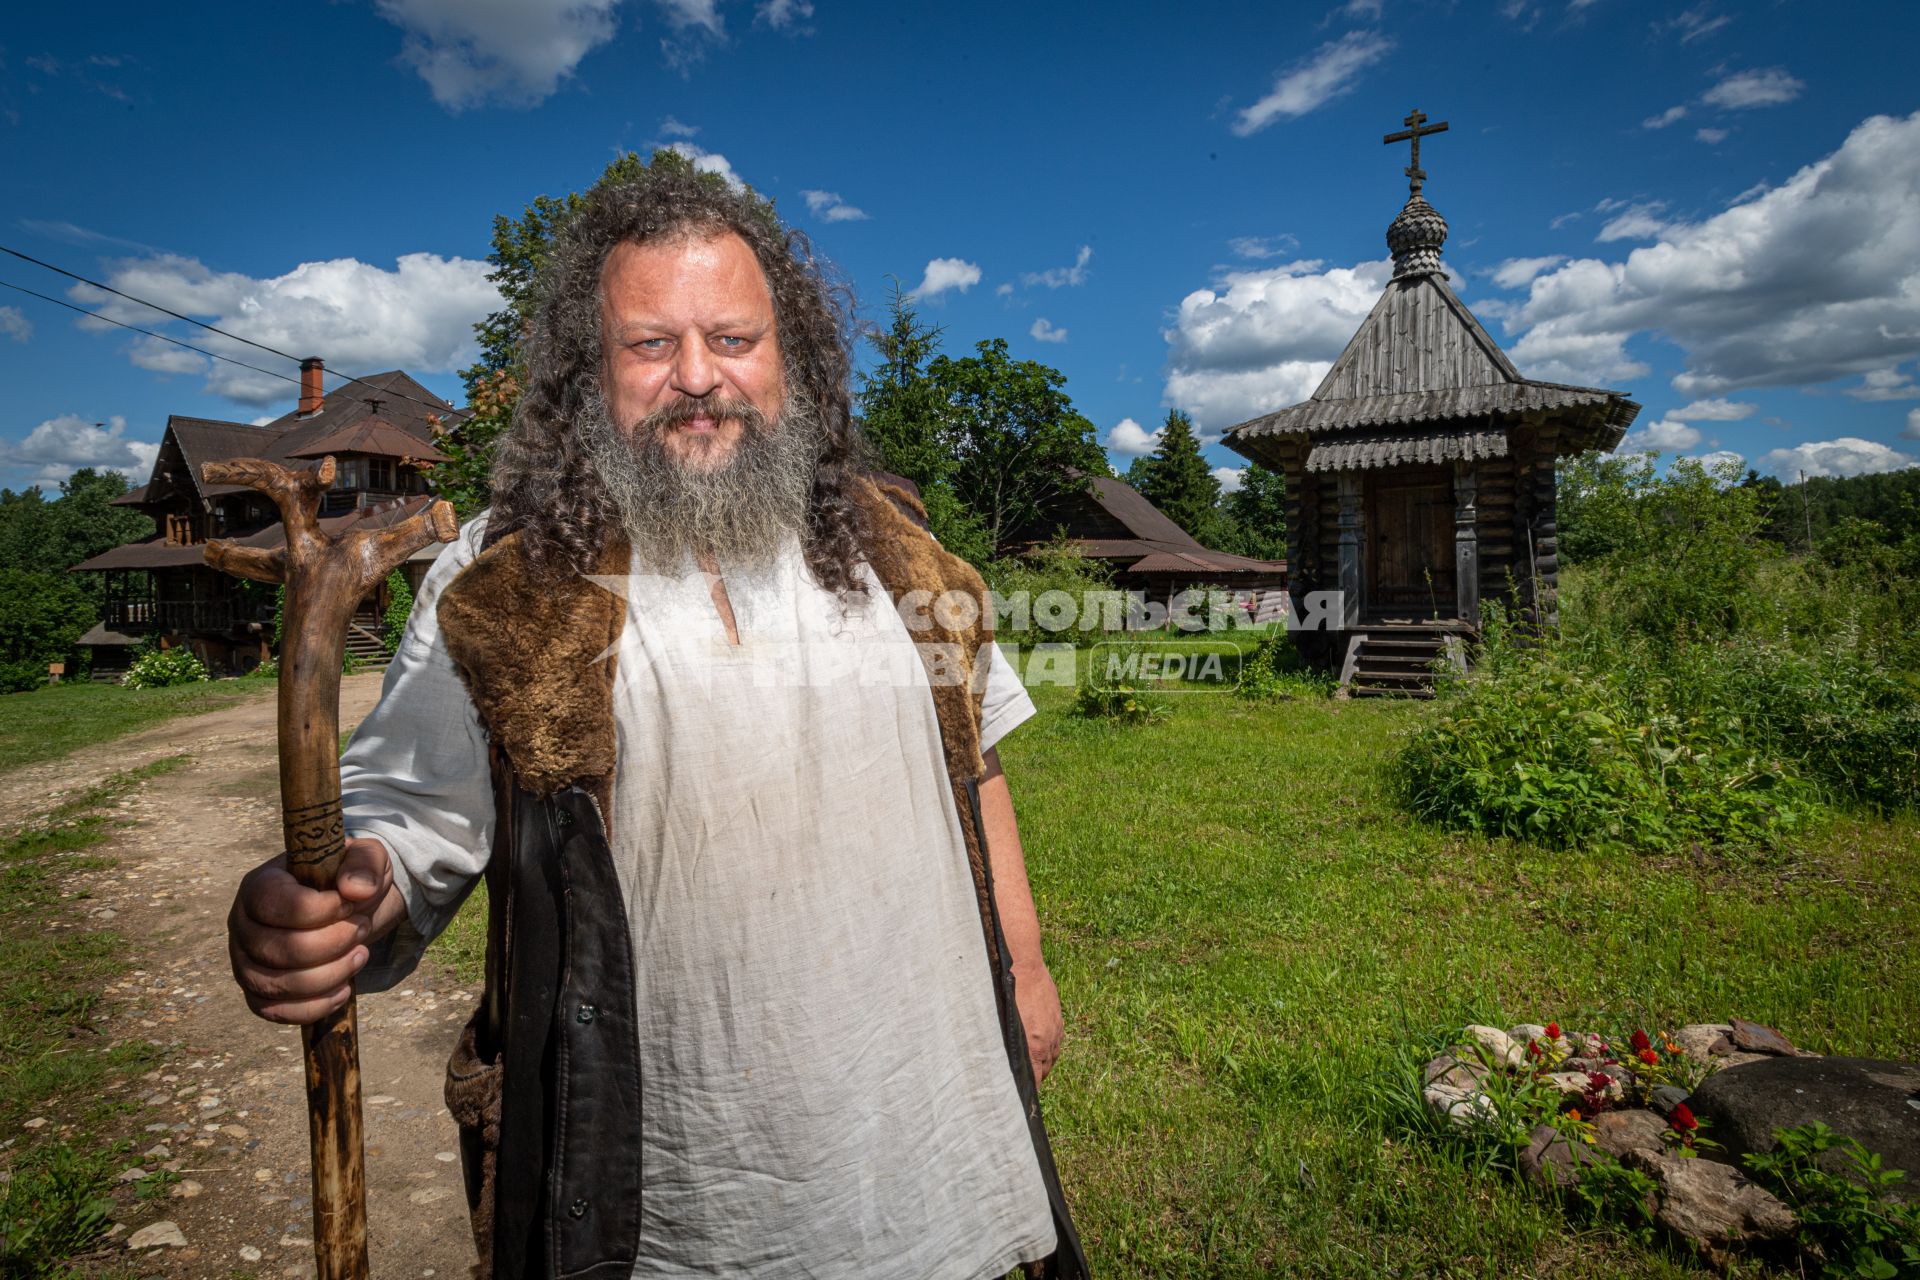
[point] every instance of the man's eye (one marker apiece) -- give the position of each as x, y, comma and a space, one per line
731, 343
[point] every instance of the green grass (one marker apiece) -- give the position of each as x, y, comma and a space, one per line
1256, 950
60, 719
54, 1063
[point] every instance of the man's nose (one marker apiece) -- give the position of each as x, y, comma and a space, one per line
695, 372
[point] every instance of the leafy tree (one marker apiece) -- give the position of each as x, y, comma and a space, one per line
1016, 442
1253, 518
1176, 479
52, 536
41, 616
520, 250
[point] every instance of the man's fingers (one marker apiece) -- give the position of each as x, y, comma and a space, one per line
299, 984
271, 896
293, 948
299, 1012
365, 872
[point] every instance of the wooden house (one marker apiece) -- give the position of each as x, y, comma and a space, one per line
1420, 475
1113, 523
378, 431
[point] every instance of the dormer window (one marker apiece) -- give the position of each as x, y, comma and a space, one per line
351, 473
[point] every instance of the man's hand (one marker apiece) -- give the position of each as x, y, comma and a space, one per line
1039, 1003
295, 950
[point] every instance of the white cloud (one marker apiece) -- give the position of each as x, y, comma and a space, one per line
1912, 431
1885, 384
1665, 436
829, 207
1515, 272
1847, 456
1330, 72
673, 128
1044, 331
1665, 118
164, 357
1230, 478
1712, 137
1718, 409
1765, 88
1636, 222
1003, 291
1722, 461
14, 324
361, 318
782, 14
943, 274
706, 161
1258, 247
59, 446
1055, 277
1262, 340
1693, 23
1131, 439
1815, 279
511, 51
693, 15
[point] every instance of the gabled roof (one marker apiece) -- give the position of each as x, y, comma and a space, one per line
1155, 543
371, 435
1143, 520
1421, 357
377, 397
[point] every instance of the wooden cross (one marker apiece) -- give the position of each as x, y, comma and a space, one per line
1417, 128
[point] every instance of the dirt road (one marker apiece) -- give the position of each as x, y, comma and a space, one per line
227, 1109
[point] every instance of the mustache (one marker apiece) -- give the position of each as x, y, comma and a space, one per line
712, 405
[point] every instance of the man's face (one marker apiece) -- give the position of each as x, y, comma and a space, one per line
690, 319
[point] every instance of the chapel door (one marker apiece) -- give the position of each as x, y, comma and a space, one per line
1410, 543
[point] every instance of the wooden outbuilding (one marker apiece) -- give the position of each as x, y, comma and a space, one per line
1420, 475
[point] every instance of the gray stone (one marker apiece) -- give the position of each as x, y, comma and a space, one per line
1551, 1161
1635, 1129
1497, 1047
1712, 1205
1751, 1037
155, 1234
1872, 1101
1704, 1040
1459, 1068
1666, 1097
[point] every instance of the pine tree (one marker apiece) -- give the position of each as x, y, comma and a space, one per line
1177, 479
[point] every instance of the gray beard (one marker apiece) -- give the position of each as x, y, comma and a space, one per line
740, 512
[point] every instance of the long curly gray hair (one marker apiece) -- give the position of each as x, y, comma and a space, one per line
545, 485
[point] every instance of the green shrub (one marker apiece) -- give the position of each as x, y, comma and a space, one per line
1098, 697
1275, 670
41, 617
1848, 1219
1059, 566
399, 609
164, 668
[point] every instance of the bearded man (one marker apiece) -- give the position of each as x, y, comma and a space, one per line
765, 994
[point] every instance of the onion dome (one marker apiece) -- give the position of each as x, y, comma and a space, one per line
1415, 237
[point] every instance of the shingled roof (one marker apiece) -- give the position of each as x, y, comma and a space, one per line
157, 553
1421, 357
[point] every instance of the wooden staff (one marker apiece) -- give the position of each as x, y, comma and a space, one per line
325, 578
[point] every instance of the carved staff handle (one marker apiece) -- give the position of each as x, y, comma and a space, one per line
325, 578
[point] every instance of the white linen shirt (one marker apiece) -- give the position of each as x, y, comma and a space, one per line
823, 1078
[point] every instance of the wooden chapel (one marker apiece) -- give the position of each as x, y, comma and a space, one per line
1420, 475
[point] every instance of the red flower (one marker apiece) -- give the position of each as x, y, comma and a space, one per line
1640, 1042
1649, 1057
1553, 1031
1599, 1082
1682, 1119
1533, 1048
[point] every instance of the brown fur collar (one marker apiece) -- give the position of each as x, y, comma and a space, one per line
537, 653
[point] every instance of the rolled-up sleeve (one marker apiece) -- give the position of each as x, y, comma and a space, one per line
415, 778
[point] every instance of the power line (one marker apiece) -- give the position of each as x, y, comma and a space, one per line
438, 406
58, 302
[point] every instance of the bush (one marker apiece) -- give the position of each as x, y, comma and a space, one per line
1057, 567
164, 668
399, 609
1098, 698
1275, 670
1847, 1219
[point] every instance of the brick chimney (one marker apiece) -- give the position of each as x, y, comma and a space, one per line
311, 393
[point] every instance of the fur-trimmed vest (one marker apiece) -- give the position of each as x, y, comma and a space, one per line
545, 1081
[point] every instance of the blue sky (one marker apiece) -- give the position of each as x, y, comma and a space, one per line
1714, 207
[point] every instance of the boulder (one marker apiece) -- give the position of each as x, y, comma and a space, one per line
1712, 1205
1665, 1097
1751, 1037
1873, 1101
1465, 1108
1635, 1129
1551, 1161
1574, 1084
1458, 1068
1498, 1047
1526, 1031
1704, 1041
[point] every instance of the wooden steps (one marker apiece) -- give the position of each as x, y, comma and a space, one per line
1396, 660
363, 642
